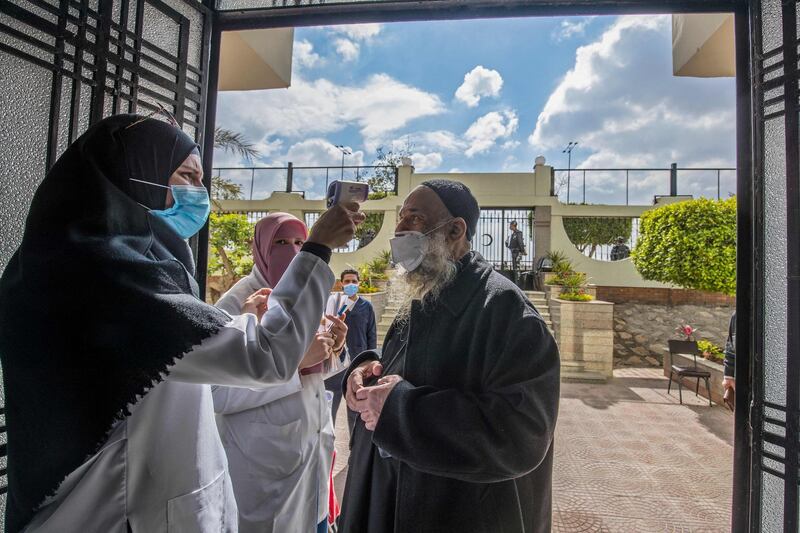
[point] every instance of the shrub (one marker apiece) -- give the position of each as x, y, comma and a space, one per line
386, 255
591, 232
366, 288
576, 297
710, 351
378, 265
690, 244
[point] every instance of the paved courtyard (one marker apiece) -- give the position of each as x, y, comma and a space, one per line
629, 458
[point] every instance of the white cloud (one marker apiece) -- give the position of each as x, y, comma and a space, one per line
510, 145
426, 162
350, 37
319, 152
347, 49
267, 148
455, 170
358, 32
304, 54
572, 27
484, 133
479, 82
624, 107
378, 106
442, 141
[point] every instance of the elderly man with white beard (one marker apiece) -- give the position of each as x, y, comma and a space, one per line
457, 414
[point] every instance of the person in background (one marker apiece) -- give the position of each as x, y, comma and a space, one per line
729, 379
361, 332
279, 439
516, 244
458, 412
620, 250
108, 352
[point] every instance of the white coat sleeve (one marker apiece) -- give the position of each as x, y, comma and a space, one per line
246, 353
230, 400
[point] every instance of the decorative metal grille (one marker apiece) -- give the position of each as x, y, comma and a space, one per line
776, 392
65, 64
68, 63
228, 5
492, 233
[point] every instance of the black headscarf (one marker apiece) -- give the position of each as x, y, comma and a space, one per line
95, 305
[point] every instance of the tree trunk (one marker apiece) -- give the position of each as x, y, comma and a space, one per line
230, 273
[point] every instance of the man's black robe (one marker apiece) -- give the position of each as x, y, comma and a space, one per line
470, 430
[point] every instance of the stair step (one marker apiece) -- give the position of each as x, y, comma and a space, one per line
582, 376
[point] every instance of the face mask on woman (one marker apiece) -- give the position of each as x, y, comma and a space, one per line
190, 211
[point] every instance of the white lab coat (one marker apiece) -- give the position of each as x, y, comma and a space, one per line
279, 442
163, 468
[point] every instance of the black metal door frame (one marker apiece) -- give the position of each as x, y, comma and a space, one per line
746, 496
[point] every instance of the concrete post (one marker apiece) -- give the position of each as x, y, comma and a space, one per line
404, 173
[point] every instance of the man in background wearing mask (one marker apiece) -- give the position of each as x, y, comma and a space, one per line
361, 332
457, 414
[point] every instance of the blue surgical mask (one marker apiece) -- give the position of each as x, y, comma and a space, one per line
190, 211
350, 289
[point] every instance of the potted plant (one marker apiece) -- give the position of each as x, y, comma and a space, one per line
386, 256
559, 266
685, 330
573, 288
377, 272
710, 351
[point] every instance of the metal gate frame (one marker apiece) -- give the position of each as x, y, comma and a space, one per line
745, 498
117, 80
746, 503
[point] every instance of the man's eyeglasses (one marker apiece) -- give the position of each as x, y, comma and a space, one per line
162, 111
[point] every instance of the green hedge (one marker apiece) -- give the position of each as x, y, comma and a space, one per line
690, 244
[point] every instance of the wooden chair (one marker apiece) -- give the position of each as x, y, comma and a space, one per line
689, 371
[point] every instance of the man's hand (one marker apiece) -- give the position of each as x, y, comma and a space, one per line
256, 303
729, 396
336, 226
319, 350
355, 382
339, 332
370, 400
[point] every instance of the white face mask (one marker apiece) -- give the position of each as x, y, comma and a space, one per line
409, 247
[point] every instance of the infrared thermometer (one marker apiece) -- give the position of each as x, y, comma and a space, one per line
345, 192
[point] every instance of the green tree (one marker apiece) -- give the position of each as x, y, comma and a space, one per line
229, 252
591, 232
690, 244
224, 189
381, 182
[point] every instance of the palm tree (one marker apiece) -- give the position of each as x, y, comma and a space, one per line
230, 141
235, 142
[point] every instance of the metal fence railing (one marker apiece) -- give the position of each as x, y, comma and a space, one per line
312, 217
258, 183
638, 186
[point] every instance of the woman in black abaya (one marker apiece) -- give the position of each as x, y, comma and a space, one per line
107, 350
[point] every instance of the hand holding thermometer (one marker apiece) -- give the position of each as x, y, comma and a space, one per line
346, 192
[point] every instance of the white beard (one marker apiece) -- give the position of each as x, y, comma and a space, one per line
430, 278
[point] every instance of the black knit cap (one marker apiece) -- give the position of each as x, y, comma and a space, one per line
459, 201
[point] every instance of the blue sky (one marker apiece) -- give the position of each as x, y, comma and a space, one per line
491, 95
